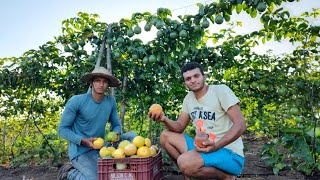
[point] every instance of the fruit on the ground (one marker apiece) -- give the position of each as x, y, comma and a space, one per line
138, 141
130, 150
155, 108
104, 151
147, 142
118, 153
123, 144
143, 151
112, 136
218, 19
98, 143
262, 7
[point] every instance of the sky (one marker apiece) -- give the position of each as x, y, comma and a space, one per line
26, 25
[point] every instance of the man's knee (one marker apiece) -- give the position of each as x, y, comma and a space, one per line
185, 166
164, 137
128, 136
132, 134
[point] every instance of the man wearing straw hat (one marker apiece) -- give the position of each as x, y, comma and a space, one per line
84, 119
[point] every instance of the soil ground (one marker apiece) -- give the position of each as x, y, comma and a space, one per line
254, 169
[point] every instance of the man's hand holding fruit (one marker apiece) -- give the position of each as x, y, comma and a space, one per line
205, 146
93, 143
156, 113
113, 137
98, 142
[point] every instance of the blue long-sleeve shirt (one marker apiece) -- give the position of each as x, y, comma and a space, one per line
83, 117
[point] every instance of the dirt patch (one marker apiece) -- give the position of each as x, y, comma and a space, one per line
254, 169
29, 173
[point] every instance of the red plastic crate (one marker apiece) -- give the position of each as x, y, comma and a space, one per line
137, 168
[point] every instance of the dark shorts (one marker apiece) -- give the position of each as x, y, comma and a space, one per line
223, 159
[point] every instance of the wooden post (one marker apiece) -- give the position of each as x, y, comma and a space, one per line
98, 62
108, 55
123, 101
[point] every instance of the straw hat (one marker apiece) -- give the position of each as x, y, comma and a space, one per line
101, 72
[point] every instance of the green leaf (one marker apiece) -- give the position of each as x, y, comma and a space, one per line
302, 26
226, 17
275, 171
269, 36
304, 168
214, 40
239, 8
272, 25
313, 38
271, 7
310, 133
168, 12
199, 5
146, 14
201, 9
280, 166
253, 13
77, 26
239, 23
269, 162
318, 166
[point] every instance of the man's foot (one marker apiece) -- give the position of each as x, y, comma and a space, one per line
63, 171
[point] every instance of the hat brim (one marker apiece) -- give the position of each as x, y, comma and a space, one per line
112, 81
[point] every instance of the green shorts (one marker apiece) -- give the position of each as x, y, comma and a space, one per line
223, 159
